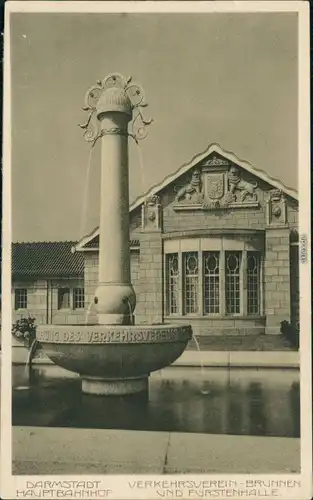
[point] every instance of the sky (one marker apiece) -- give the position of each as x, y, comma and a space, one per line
209, 78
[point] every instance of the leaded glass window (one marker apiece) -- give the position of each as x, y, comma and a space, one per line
191, 274
172, 283
211, 282
232, 282
253, 283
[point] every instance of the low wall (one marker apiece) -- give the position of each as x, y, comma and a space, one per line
241, 325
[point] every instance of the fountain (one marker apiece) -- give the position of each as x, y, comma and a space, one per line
115, 356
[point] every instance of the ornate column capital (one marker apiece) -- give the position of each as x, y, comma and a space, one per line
115, 93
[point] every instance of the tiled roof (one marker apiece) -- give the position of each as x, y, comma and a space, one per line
47, 259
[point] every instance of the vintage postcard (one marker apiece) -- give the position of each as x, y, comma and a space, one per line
156, 294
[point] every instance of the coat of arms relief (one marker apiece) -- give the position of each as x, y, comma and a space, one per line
216, 184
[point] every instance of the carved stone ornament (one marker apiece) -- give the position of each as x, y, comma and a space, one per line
237, 185
151, 213
192, 191
276, 208
153, 201
127, 96
275, 194
216, 186
216, 162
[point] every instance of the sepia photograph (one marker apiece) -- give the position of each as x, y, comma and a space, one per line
155, 316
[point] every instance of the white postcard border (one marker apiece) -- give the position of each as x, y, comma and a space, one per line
119, 485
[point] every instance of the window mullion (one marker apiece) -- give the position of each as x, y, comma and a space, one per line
261, 284
243, 284
222, 283
181, 284
166, 285
200, 283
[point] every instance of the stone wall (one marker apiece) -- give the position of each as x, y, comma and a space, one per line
42, 301
36, 300
241, 218
150, 290
295, 284
65, 316
223, 325
277, 278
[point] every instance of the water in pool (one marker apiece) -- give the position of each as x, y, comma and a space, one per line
260, 402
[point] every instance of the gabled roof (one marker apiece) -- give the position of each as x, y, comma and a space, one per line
46, 259
213, 148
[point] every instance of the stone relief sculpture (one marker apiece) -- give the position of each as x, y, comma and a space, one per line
276, 207
152, 203
151, 212
194, 187
276, 194
236, 183
216, 185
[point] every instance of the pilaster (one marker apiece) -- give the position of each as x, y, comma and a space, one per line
150, 297
277, 278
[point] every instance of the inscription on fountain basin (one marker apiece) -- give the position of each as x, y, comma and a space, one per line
107, 337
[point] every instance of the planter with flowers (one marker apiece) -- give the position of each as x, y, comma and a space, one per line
24, 331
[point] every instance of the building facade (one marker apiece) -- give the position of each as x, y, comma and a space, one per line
48, 282
215, 245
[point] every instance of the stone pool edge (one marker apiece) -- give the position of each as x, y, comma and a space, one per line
224, 359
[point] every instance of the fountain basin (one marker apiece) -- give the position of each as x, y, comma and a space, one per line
114, 359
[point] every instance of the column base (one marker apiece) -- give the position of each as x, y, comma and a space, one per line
114, 387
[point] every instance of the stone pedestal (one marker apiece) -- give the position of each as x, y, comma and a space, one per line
114, 387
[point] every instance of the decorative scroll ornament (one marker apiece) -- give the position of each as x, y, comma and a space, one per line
136, 96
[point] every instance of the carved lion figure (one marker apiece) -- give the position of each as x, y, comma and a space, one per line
236, 183
194, 186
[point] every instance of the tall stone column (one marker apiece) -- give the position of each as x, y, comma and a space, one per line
113, 104
115, 297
